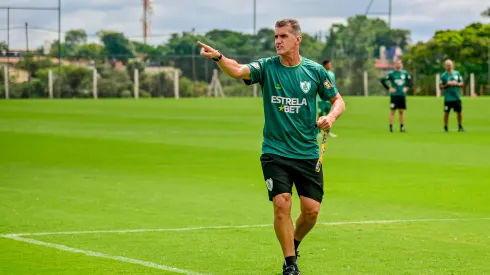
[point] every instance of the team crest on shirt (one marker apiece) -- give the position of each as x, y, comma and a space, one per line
327, 83
305, 86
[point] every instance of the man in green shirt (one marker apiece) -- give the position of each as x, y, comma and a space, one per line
290, 84
400, 81
450, 82
324, 107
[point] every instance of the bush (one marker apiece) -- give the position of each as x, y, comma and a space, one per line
34, 89
158, 85
189, 88
144, 94
126, 94
113, 82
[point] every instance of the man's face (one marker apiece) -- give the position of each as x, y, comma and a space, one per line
329, 66
449, 66
286, 40
398, 65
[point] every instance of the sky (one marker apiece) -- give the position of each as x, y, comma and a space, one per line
421, 17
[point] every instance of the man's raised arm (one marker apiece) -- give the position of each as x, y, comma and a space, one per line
227, 65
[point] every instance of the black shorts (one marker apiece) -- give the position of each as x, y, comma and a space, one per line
457, 106
280, 173
398, 102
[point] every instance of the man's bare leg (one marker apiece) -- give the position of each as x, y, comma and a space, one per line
401, 114
306, 220
283, 225
460, 122
391, 118
446, 119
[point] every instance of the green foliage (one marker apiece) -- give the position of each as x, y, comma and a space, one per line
31, 65
352, 46
468, 48
144, 94
74, 38
189, 88
126, 94
89, 51
486, 13
157, 85
117, 45
235, 87
3, 46
132, 66
75, 81
33, 89
113, 82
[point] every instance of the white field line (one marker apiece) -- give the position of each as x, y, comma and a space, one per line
102, 255
236, 227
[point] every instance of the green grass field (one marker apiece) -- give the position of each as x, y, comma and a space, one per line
182, 168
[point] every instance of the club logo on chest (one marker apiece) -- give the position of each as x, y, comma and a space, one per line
305, 86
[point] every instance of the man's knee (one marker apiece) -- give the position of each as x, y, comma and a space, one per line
282, 205
311, 211
311, 214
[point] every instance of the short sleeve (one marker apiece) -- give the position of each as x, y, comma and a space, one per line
442, 80
460, 78
327, 88
387, 77
257, 69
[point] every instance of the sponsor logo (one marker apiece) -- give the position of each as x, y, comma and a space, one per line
289, 105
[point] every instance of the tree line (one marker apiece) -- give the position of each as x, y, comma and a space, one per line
353, 46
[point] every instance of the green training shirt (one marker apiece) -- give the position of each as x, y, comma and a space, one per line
289, 95
451, 93
398, 80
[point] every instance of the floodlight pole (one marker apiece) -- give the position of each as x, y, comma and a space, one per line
390, 9
59, 48
8, 45
255, 17
488, 64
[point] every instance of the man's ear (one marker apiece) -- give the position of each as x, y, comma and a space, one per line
298, 39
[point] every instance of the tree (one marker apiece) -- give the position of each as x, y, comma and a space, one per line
468, 48
31, 65
116, 45
65, 51
89, 51
486, 13
74, 38
3, 46
132, 66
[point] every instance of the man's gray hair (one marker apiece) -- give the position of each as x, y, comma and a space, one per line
296, 28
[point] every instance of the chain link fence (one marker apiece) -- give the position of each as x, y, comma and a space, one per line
27, 76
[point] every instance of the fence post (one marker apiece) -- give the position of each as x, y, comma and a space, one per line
366, 92
6, 77
472, 84
50, 84
136, 83
438, 89
94, 89
176, 84
255, 90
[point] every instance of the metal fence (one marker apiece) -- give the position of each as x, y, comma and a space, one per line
183, 76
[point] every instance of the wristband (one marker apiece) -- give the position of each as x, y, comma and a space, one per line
218, 58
